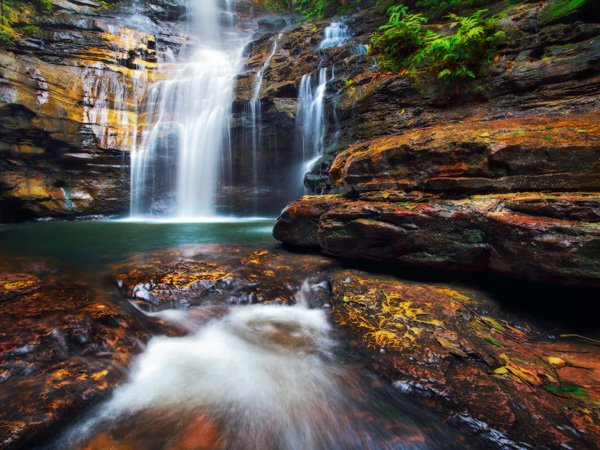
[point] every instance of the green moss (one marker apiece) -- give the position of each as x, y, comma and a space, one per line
338, 234
562, 10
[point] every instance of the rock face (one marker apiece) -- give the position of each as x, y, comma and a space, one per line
69, 97
466, 196
480, 367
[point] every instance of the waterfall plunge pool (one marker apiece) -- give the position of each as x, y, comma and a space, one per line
251, 376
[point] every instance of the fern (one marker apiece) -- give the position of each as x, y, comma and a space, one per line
458, 56
401, 37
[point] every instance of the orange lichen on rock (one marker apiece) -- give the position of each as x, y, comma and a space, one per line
429, 340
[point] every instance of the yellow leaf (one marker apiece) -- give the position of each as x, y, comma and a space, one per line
402, 112
501, 370
493, 323
386, 194
484, 135
524, 374
445, 342
556, 362
581, 131
346, 299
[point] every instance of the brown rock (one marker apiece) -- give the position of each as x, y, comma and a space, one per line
537, 236
62, 348
222, 274
458, 352
502, 155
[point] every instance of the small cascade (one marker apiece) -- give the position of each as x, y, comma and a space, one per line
335, 34
311, 115
175, 167
255, 112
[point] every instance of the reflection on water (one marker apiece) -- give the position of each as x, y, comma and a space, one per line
98, 243
263, 377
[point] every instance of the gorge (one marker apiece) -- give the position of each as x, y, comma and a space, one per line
430, 284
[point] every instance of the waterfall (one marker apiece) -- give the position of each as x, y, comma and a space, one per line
175, 168
311, 115
255, 112
335, 34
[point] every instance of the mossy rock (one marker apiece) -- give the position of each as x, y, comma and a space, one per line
564, 11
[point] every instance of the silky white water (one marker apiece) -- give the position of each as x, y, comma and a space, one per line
263, 377
334, 35
176, 164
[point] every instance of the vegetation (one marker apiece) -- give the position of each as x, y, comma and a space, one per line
314, 9
405, 44
17, 18
560, 10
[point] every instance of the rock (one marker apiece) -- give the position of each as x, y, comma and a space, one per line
566, 11
66, 97
458, 352
222, 274
550, 237
479, 156
62, 349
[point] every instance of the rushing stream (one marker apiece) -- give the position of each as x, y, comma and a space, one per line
255, 376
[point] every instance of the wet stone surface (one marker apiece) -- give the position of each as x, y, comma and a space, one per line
478, 366
63, 346
202, 275
455, 351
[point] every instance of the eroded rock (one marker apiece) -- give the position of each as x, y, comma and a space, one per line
484, 370
63, 348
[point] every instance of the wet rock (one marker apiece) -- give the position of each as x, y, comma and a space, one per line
66, 97
219, 274
536, 236
62, 348
484, 370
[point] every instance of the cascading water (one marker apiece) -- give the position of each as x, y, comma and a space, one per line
335, 34
255, 111
175, 167
263, 377
310, 119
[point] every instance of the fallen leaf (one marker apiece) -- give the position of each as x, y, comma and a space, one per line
524, 374
581, 131
520, 132
493, 323
484, 135
556, 362
566, 388
493, 341
548, 138
501, 370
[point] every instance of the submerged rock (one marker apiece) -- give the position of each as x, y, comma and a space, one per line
62, 348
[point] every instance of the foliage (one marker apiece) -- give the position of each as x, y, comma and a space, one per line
17, 17
457, 56
313, 9
277, 5
405, 44
402, 36
439, 8
560, 10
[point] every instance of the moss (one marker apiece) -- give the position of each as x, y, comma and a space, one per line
563, 10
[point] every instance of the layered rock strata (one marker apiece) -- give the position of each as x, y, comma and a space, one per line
69, 97
517, 196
